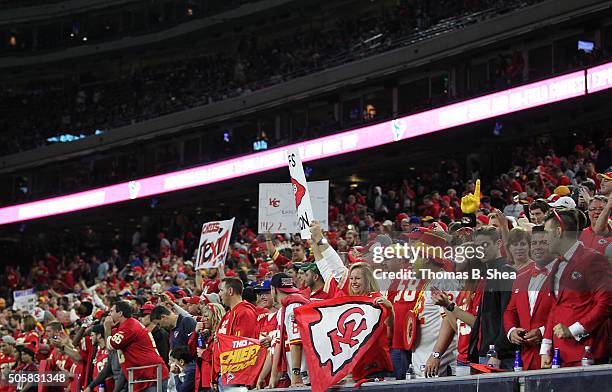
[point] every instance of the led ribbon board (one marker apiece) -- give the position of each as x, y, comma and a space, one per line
491, 105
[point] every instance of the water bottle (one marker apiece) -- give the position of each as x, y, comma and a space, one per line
422, 371
200, 341
518, 361
556, 359
587, 358
101, 388
410, 373
491, 353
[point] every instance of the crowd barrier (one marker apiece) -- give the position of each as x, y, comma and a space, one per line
592, 378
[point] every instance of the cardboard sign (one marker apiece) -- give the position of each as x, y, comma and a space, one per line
214, 243
300, 192
25, 300
277, 212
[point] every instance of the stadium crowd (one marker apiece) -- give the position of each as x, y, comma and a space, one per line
33, 114
544, 222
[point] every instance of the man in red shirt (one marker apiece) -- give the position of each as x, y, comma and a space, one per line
240, 320
7, 351
135, 346
598, 240
209, 280
314, 282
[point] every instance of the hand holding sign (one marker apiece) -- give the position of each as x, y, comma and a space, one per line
300, 191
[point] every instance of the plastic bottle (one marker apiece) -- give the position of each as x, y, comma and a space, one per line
101, 388
491, 353
556, 359
410, 373
518, 361
587, 357
200, 341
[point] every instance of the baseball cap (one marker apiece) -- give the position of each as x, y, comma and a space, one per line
428, 218
192, 300
264, 286
311, 267
146, 310
284, 283
212, 298
415, 219
563, 202
605, 176
562, 190
9, 340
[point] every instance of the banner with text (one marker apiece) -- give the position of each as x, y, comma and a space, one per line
241, 359
277, 212
214, 243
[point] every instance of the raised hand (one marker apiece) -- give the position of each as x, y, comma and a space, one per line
471, 202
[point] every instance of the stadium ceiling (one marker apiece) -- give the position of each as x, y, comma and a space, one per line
556, 89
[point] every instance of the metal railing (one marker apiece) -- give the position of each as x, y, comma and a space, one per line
157, 379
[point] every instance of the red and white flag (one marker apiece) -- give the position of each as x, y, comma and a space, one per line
336, 334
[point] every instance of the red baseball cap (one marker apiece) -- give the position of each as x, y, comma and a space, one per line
146, 309
192, 300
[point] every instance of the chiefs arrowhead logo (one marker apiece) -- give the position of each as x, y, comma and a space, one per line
342, 331
299, 191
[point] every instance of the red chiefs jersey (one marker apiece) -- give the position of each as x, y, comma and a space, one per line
598, 243
100, 361
86, 351
468, 301
30, 340
403, 294
210, 286
6, 360
136, 347
60, 361
268, 325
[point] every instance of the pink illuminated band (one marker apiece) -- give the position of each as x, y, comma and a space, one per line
508, 101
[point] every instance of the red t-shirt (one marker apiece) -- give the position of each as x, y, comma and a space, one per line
597, 242
136, 347
469, 302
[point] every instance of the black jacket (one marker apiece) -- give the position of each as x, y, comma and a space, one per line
490, 317
162, 342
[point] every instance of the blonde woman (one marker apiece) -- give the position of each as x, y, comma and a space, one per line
201, 343
357, 280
